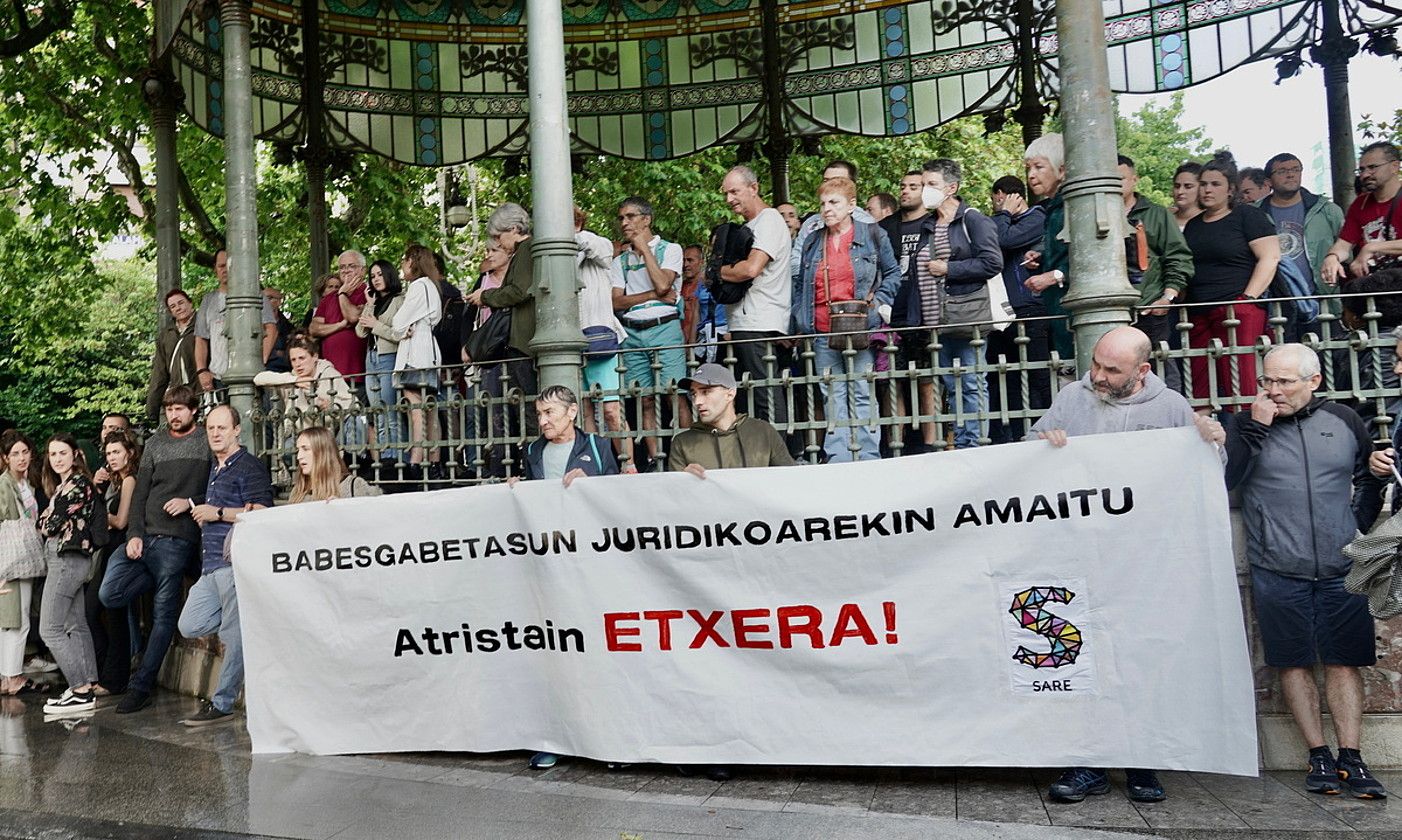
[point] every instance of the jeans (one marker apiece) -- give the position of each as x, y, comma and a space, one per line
379, 388
213, 607
63, 621
161, 567
111, 638
848, 395
971, 388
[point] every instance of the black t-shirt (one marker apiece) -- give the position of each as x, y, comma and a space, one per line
910, 240
1222, 256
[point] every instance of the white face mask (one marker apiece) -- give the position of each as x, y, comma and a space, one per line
932, 197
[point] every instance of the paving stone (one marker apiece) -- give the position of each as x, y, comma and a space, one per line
1111, 810
999, 795
933, 796
1190, 805
1268, 804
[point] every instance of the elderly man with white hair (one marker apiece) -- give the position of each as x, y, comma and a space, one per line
1302, 465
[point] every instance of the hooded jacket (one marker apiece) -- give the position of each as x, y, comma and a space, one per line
1170, 258
1080, 410
1305, 487
590, 453
747, 443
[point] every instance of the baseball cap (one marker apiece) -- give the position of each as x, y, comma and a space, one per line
708, 375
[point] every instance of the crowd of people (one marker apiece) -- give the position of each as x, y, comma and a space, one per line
107, 555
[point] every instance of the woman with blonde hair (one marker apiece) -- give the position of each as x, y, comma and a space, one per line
321, 471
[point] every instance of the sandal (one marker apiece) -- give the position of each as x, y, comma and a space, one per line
32, 687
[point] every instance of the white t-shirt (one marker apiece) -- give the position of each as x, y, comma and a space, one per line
209, 325
629, 273
765, 307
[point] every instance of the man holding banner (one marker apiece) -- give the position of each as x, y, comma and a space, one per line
1119, 394
1302, 464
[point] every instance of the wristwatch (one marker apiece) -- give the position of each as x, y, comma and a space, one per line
1059, 276
220, 513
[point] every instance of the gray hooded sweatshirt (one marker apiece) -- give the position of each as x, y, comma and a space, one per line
1080, 410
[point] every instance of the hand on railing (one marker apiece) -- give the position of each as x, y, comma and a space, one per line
1383, 463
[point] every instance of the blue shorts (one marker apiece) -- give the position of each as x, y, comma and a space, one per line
1308, 621
638, 353
602, 371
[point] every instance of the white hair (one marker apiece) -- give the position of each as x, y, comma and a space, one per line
359, 257
1305, 359
509, 217
1049, 146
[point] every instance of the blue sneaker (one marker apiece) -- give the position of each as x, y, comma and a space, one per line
1360, 780
1323, 775
1078, 783
544, 761
1144, 786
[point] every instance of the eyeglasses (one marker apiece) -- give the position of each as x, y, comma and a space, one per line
1372, 167
1287, 170
1282, 382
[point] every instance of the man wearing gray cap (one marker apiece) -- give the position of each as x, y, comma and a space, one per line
720, 438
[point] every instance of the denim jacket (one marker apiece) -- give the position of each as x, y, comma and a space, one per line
872, 257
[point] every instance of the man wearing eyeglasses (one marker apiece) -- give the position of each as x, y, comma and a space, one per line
1370, 231
1307, 224
1302, 465
646, 294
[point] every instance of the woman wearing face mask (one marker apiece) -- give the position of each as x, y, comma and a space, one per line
849, 262
19, 482
1235, 254
67, 526
386, 297
958, 253
108, 625
321, 470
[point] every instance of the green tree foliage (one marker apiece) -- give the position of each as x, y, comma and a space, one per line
1154, 136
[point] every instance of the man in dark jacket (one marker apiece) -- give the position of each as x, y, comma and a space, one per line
173, 363
1159, 262
1302, 465
563, 450
1020, 229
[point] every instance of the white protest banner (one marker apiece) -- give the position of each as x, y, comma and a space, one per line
1017, 605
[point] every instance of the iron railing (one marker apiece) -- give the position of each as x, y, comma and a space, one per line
485, 421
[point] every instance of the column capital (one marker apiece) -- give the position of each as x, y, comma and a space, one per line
235, 13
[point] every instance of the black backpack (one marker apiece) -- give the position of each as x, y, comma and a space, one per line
448, 332
730, 243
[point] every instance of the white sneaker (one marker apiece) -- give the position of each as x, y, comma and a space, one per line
40, 665
70, 702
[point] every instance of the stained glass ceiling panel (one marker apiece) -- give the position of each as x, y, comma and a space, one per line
437, 82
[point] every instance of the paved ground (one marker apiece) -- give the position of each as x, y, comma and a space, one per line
144, 776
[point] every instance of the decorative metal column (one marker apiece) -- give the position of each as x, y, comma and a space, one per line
245, 303
314, 153
1333, 53
558, 342
776, 146
1100, 294
163, 96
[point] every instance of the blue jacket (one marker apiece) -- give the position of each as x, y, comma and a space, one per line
591, 453
1016, 236
873, 261
974, 258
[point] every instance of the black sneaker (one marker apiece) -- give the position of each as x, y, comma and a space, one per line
1361, 782
1144, 786
207, 715
133, 701
71, 702
1078, 783
1323, 775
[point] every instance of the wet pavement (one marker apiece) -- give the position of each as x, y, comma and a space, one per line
146, 776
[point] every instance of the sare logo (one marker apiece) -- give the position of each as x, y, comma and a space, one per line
1045, 634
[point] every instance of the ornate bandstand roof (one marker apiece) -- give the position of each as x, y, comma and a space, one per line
440, 82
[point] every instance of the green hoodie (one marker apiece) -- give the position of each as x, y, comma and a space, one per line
747, 443
1170, 260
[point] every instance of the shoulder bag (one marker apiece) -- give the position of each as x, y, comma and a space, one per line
21, 549
847, 316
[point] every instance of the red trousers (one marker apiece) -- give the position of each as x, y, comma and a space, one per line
1209, 324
